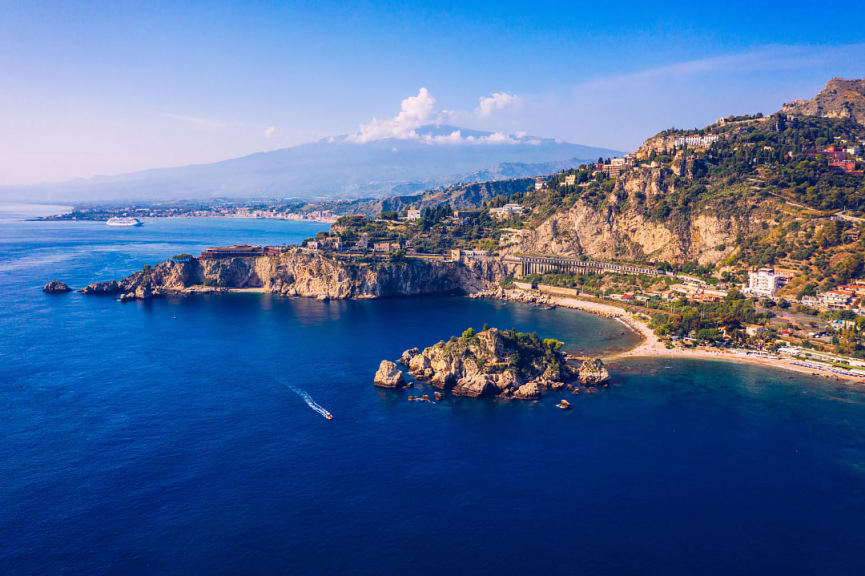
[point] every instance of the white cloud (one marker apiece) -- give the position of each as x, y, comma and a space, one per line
498, 101
415, 111
270, 132
456, 137
500, 138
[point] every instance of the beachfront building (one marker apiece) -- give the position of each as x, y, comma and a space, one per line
753, 330
763, 283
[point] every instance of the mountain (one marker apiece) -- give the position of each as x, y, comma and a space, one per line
839, 99
334, 167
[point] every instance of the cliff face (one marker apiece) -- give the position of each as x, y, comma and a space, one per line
622, 225
839, 99
311, 275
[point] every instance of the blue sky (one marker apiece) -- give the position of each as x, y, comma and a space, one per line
99, 88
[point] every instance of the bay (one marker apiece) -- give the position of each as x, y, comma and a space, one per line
169, 437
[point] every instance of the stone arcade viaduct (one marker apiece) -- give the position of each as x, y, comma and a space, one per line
525, 265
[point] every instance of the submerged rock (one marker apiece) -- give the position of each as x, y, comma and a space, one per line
56, 287
592, 372
389, 376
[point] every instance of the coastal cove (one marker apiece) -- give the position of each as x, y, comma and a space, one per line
175, 435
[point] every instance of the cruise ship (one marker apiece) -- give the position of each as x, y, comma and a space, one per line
123, 221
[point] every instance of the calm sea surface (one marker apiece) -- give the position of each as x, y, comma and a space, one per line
174, 437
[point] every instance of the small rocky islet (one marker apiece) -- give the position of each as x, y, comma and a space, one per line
494, 363
56, 287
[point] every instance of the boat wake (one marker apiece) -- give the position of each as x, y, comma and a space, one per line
310, 402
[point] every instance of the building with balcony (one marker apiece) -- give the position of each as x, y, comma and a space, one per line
763, 283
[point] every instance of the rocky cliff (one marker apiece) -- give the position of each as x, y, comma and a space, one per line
839, 99
304, 274
627, 224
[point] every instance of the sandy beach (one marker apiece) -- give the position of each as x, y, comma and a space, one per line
652, 347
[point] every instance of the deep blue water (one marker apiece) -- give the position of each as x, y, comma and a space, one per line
164, 438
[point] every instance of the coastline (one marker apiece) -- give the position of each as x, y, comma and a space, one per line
651, 346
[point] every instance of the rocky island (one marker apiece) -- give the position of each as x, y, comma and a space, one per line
495, 363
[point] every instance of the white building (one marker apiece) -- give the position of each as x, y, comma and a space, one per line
506, 211
696, 141
539, 184
570, 179
468, 255
763, 283
412, 214
836, 299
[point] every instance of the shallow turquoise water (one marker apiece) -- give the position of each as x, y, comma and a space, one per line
165, 437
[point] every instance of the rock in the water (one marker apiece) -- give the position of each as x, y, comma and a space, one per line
389, 376
407, 356
438, 396
56, 287
528, 391
420, 367
592, 372
475, 387
111, 287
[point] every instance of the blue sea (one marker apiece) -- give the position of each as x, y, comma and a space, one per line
178, 436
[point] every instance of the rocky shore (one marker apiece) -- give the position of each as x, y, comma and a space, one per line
495, 363
294, 273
